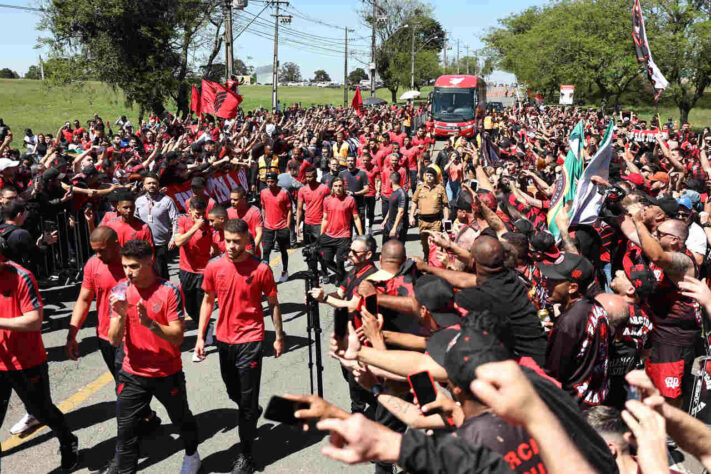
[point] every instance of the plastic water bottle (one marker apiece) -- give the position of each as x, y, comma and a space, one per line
119, 291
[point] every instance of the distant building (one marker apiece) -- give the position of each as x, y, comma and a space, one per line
247, 80
264, 74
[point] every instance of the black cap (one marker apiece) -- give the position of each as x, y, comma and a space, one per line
642, 278
468, 350
52, 173
669, 205
437, 295
523, 226
89, 171
545, 242
438, 342
271, 175
198, 182
570, 267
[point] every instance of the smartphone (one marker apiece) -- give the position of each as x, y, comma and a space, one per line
340, 323
371, 304
282, 410
447, 226
474, 184
423, 386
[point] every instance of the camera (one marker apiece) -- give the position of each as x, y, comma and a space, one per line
310, 253
612, 200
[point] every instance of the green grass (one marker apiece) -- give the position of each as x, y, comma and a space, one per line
31, 104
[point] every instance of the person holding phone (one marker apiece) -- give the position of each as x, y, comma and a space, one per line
239, 282
431, 206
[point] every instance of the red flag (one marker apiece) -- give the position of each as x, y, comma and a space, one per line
357, 101
219, 101
195, 101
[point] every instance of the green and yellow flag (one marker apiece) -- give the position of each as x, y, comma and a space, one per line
567, 182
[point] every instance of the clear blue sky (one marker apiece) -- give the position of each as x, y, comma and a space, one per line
465, 20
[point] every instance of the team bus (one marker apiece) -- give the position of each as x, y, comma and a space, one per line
458, 105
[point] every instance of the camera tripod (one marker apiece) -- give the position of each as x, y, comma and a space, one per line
313, 324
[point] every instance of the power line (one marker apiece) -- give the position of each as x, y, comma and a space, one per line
18, 7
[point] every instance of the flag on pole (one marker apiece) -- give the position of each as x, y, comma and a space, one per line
567, 181
218, 100
644, 54
489, 152
357, 102
588, 201
195, 100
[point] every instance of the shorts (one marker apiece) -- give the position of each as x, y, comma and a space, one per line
281, 236
669, 367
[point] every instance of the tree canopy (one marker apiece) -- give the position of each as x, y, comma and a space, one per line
321, 76
357, 75
289, 72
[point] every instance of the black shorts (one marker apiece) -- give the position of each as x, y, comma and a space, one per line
669, 367
280, 236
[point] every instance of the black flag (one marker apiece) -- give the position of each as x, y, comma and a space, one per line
644, 55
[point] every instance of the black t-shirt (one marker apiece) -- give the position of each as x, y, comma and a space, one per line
355, 180
513, 443
578, 352
328, 178
350, 284
22, 246
503, 294
398, 200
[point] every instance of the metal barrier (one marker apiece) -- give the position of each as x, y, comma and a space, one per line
64, 261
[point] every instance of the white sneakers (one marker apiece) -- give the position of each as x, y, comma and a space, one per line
26, 423
191, 464
197, 359
284, 277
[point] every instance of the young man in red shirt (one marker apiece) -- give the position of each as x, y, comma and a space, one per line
23, 359
309, 208
217, 216
147, 313
339, 210
127, 225
194, 238
386, 189
239, 281
251, 215
276, 206
373, 173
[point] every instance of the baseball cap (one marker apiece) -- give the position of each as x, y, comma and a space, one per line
669, 205
523, 226
469, 349
692, 195
271, 175
197, 182
52, 173
685, 201
437, 295
660, 176
6, 163
570, 267
488, 199
545, 242
89, 170
634, 178
642, 278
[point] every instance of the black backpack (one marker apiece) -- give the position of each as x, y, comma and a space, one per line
4, 242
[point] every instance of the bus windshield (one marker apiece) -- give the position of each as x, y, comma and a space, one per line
454, 105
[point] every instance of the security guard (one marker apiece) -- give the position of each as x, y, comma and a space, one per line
267, 163
340, 150
431, 204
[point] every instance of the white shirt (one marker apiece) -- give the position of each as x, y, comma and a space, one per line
696, 242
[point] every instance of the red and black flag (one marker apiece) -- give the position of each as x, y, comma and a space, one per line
195, 100
218, 100
644, 55
357, 102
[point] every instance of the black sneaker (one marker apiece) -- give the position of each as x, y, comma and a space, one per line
146, 427
243, 464
111, 467
70, 454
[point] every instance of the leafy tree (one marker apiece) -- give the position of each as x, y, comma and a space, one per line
289, 72
7, 73
141, 47
357, 75
240, 68
33, 72
321, 76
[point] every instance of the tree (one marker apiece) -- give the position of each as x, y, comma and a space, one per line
240, 68
357, 75
321, 76
141, 47
33, 72
289, 72
7, 73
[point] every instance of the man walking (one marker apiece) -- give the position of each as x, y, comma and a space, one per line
430, 204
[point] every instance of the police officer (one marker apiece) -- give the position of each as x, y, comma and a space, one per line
431, 204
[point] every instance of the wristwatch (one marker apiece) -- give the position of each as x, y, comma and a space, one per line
153, 326
377, 389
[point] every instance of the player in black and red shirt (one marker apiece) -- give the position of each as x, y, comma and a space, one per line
147, 313
240, 281
23, 359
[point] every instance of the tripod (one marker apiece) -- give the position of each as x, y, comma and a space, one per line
313, 323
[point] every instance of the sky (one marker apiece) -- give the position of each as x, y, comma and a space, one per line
464, 20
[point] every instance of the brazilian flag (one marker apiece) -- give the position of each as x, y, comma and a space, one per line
567, 181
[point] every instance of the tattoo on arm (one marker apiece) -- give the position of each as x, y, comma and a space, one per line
680, 264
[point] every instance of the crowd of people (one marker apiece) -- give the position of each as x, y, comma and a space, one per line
566, 351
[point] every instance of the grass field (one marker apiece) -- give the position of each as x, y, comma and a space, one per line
31, 104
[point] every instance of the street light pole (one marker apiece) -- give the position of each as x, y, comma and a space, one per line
372, 49
412, 59
275, 65
229, 60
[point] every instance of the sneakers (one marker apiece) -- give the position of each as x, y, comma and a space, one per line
70, 454
146, 427
284, 277
191, 464
26, 423
243, 464
197, 359
111, 467
325, 280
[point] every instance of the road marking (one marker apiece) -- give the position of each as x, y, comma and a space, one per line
66, 406
78, 398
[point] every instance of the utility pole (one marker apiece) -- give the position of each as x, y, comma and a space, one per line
412, 58
445, 51
458, 57
345, 69
467, 57
372, 49
229, 61
275, 65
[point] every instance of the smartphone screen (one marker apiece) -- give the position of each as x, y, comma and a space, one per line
282, 410
474, 184
447, 226
371, 304
423, 386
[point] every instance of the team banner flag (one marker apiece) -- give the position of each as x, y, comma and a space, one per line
357, 102
566, 184
588, 202
218, 100
195, 100
644, 55
488, 152
566, 94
